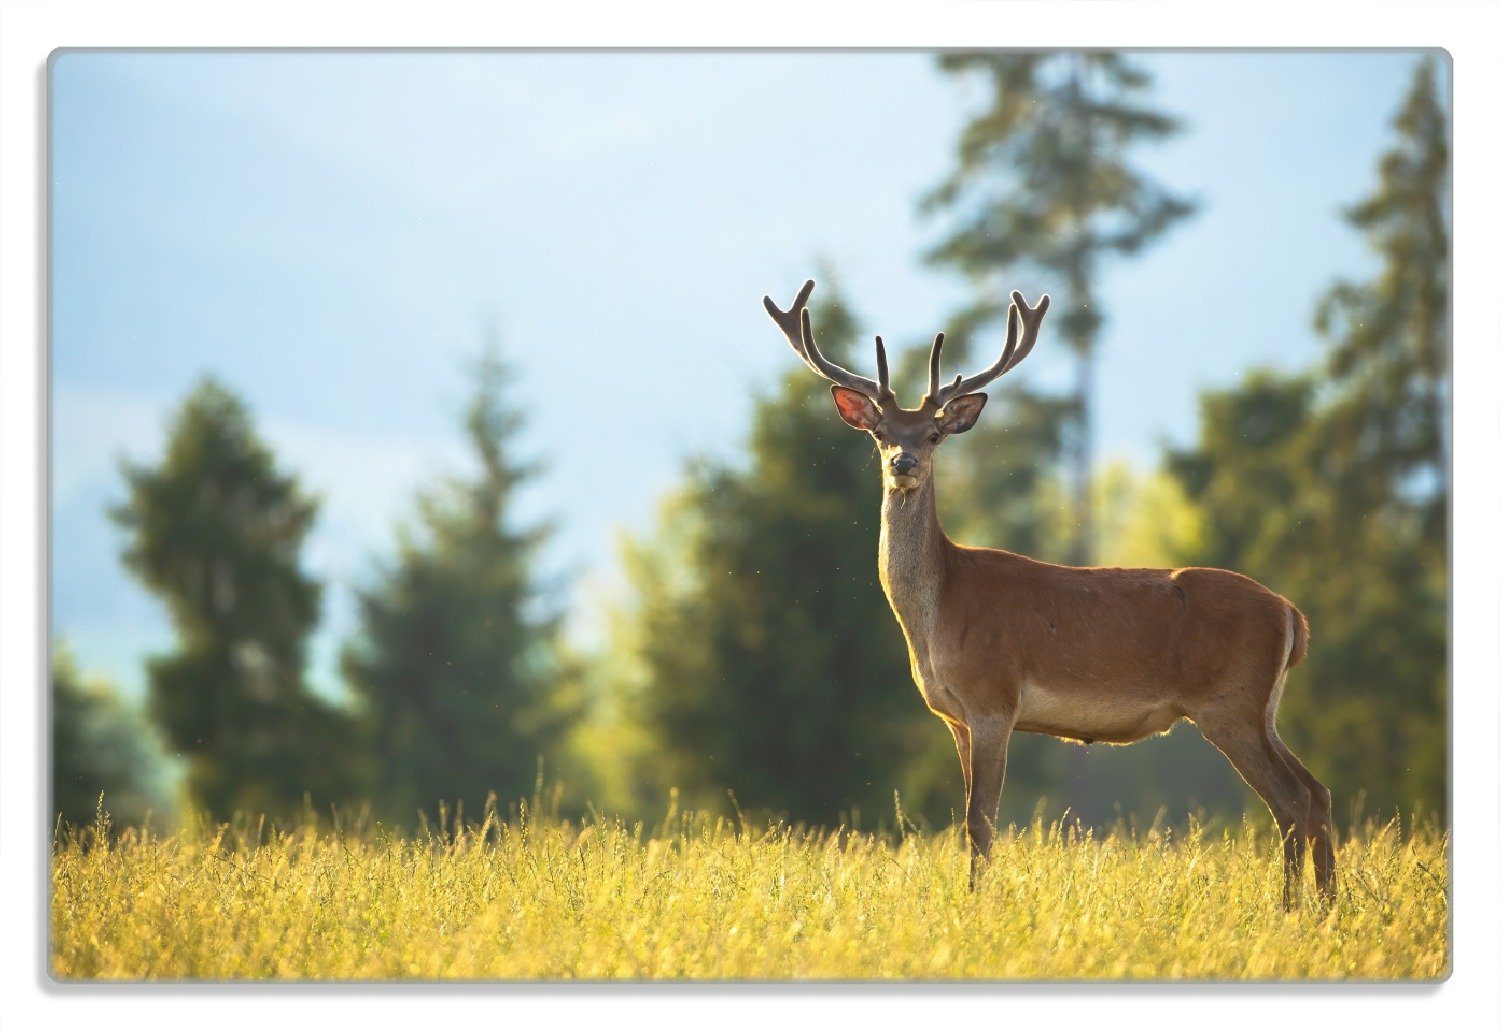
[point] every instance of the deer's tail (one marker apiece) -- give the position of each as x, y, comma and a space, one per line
1297, 624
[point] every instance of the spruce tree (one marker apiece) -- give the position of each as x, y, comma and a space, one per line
1389, 337
455, 661
216, 531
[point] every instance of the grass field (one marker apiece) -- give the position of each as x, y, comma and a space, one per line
704, 897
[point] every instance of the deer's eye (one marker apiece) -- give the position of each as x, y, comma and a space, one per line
934, 437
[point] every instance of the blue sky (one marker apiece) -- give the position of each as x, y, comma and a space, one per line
332, 234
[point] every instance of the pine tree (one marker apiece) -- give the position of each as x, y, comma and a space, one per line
455, 663
216, 531
1390, 337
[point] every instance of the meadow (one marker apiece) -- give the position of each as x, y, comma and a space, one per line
536, 896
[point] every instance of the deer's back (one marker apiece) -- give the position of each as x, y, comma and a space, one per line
1164, 632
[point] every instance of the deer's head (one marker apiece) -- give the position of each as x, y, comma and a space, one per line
907, 437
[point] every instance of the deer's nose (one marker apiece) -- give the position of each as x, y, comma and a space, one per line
904, 463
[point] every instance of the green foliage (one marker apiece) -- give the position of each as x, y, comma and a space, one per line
756, 651
1333, 490
1043, 182
455, 664
1389, 338
100, 745
215, 531
1145, 518
1001, 484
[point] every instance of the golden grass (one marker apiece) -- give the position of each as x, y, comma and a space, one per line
703, 897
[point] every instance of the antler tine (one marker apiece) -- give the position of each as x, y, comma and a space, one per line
883, 370
934, 367
790, 321
1031, 318
968, 386
796, 325
1018, 344
832, 371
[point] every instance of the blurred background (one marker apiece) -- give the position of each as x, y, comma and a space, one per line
418, 433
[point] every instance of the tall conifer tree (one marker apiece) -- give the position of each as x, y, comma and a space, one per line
216, 531
1389, 337
455, 659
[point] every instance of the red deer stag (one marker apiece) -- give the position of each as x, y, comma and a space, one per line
1000, 642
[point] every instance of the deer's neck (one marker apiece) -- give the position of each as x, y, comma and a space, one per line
912, 557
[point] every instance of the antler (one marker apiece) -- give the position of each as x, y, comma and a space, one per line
1021, 326
796, 324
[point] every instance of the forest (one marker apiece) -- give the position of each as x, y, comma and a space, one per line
752, 665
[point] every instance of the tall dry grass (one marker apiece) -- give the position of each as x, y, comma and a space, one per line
707, 897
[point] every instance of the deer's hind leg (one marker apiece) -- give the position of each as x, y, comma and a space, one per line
1320, 826
1247, 743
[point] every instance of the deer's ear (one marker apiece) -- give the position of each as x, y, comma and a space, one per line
856, 409
960, 414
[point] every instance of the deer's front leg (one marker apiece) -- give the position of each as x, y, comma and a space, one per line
989, 740
961, 739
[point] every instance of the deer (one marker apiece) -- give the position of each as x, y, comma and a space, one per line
1001, 643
